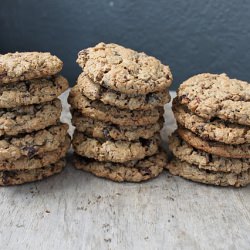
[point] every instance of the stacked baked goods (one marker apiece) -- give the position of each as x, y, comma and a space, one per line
33, 142
117, 109
212, 142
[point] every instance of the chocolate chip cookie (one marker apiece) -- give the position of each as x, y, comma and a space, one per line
95, 91
35, 143
37, 161
114, 151
17, 177
22, 66
124, 70
32, 91
108, 131
192, 172
215, 130
185, 152
132, 171
106, 113
213, 147
26, 119
217, 96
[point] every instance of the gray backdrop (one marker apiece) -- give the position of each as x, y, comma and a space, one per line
191, 36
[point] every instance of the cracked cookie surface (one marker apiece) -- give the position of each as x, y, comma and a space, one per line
185, 152
37, 161
106, 113
192, 172
8, 178
213, 147
95, 91
114, 151
32, 91
124, 70
211, 96
21, 66
35, 143
215, 130
104, 130
26, 119
133, 171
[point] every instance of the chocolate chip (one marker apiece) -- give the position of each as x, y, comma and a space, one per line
7, 175
184, 98
106, 133
152, 97
145, 171
145, 142
30, 150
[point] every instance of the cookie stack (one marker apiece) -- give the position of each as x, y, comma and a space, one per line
117, 109
212, 142
33, 142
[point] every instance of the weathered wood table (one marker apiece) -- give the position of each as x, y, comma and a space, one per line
75, 210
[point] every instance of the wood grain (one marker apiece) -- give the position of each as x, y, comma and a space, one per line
76, 210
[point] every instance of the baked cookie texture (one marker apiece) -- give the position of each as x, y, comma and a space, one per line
26, 119
32, 91
132, 171
124, 70
33, 141
114, 151
215, 130
211, 144
95, 91
17, 177
211, 96
117, 108
19, 66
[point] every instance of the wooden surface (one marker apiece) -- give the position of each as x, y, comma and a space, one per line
75, 210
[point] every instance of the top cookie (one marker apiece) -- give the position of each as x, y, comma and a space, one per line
21, 66
211, 95
124, 70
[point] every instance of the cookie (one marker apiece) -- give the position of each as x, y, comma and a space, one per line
123, 101
106, 113
32, 91
114, 151
124, 70
108, 131
134, 171
35, 143
8, 178
192, 172
213, 147
203, 160
21, 66
26, 119
215, 130
37, 161
211, 96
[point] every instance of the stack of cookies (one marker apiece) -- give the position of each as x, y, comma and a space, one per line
33, 142
212, 142
117, 109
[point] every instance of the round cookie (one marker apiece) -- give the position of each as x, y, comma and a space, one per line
95, 91
216, 148
21, 66
211, 96
35, 143
192, 172
108, 131
124, 70
106, 113
215, 130
8, 178
26, 119
114, 151
135, 171
203, 160
37, 161
32, 91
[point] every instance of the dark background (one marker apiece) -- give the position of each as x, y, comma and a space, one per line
191, 36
